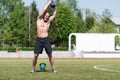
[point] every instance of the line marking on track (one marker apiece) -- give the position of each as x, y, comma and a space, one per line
99, 67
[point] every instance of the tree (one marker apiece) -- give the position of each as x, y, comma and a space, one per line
104, 25
106, 13
18, 22
72, 4
3, 19
89, 20
65, 23
33, 29
53, 32
80, 22
107, 27
15, 24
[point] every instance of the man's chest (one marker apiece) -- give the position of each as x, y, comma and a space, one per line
42, 24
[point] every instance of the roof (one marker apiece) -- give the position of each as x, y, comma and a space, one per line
116, 21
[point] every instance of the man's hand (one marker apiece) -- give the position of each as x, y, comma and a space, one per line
49, 1
44, 9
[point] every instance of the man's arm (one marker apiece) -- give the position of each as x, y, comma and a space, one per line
44, 9
53, 16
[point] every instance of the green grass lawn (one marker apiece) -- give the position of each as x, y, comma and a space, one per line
68, 69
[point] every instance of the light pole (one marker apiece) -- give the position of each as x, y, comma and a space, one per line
30, 11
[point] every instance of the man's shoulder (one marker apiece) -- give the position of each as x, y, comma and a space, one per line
39, 19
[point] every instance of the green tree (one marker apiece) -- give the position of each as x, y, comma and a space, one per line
17, 22
53, 32
3, 19
80, 22
104, 25
72, 4
33, 19
89, 20
106, 13
65, 23
107, 27
14, 27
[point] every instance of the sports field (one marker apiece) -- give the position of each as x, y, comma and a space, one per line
68, 69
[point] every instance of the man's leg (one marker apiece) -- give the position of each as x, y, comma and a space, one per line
34, 62
51, 60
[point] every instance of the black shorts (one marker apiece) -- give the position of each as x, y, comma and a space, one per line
42, 43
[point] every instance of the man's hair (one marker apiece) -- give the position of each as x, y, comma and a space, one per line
44, 14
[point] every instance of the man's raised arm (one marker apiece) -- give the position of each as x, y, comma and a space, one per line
53, 16
44, 9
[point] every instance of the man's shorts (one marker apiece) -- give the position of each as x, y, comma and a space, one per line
42, 43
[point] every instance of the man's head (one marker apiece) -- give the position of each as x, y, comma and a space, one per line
46, 16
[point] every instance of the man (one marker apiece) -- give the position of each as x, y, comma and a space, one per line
42, 41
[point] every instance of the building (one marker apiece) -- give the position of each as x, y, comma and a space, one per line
116, 22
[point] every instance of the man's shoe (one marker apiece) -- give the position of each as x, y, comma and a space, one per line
32, 71
54, 71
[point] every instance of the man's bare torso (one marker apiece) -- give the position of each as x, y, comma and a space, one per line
42, 28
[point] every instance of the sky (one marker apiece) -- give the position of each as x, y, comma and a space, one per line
97, 6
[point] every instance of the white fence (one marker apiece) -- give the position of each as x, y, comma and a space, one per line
93, 42
94, 45
30, 54
61, 54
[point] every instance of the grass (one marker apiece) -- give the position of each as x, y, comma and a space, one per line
68, 69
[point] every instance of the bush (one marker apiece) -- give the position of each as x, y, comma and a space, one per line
27, 48
13, 49
60, 48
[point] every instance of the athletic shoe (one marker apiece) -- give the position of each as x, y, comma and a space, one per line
53, 71
32, 71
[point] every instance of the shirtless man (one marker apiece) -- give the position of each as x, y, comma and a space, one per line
42, 41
